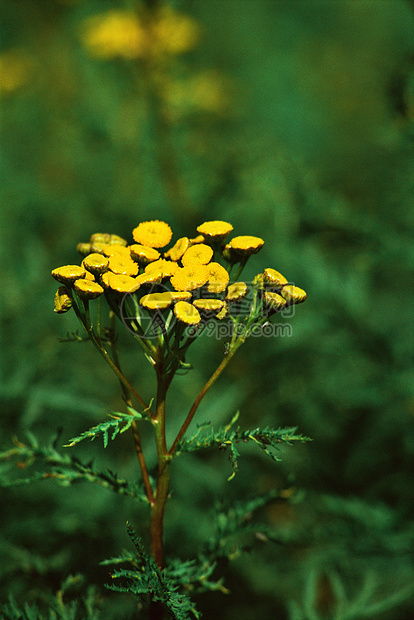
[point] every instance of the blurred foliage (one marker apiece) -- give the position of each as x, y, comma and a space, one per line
293, 120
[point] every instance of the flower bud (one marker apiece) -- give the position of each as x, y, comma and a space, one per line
63, 302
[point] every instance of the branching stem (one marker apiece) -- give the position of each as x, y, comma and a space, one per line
235, 344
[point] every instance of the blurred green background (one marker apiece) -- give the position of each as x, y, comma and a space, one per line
293, 120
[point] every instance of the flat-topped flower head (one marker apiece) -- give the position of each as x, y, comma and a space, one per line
236, 291
120, 283
187, 313
63, 302
149, 277
68, 273
190, 278
178, 249
98, 241
143, 254
180, 295
215, 230
107, 238
95, 263
84, 248
154, 234
168, 267
86, 289
116, 250
293, 294
123, 265
271, 276
209, 306
90, 276
245, 245
156, 301
199, 254
218, 278
274, 301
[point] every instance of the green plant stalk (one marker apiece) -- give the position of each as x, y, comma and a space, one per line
86, 322
127, 389
134, 425
164, 466
235, 344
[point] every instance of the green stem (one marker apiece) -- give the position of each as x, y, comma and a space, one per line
235, 344
158, 505
135, 430
86, 322
164, 462
240, 269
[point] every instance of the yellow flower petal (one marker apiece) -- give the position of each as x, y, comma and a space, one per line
63, 302
104, 279
176, 252
156, 301
218, 278
143, 254
68, 273
120, 283
272, 276
168, 268
190, 277
154, 234
180, 295
236, 291
95, 263
199, 254
198, 239
215, 230
150, 277
86, 289
246, 245
123, 266
223, 313
209, 305
187, 313
293, 294
115, 249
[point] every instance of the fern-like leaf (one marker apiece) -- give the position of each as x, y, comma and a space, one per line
120, 423
145, 578
62, 468
228, 438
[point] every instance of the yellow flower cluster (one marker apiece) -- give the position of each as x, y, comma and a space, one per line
192, 278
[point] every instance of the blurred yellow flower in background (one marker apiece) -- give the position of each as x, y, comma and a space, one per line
125, 34
15, 68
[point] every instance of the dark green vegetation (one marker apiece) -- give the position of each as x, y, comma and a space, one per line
294, 121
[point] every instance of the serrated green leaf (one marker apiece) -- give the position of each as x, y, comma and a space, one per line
226, 437
148, 580
119, 424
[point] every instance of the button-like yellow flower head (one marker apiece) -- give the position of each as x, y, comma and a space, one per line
154, 234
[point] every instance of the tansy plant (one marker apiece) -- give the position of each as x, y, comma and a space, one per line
166, 298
